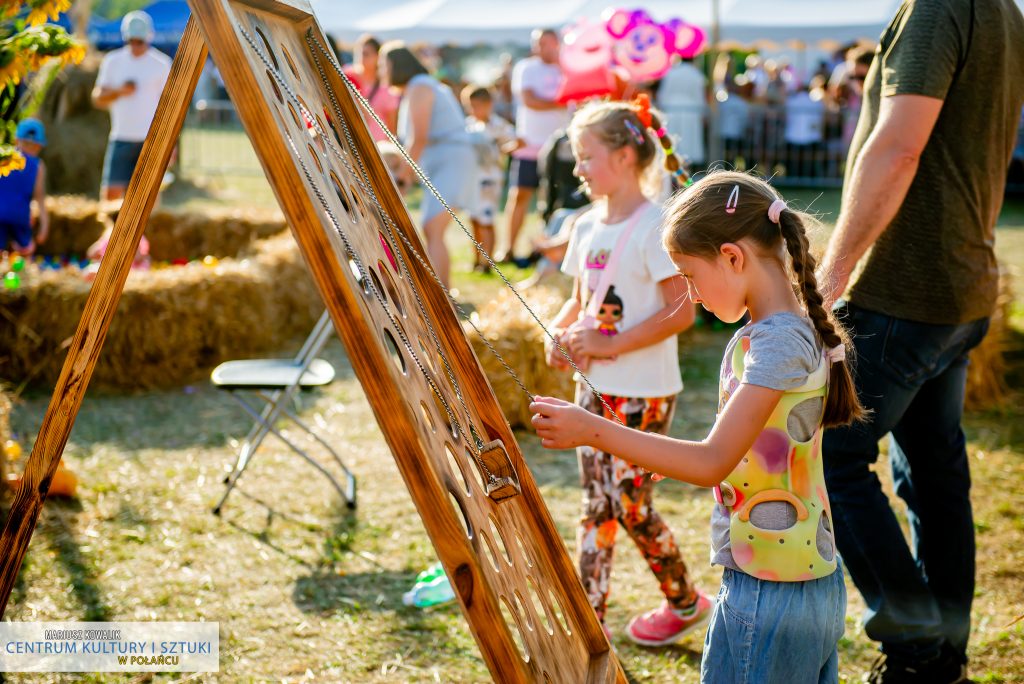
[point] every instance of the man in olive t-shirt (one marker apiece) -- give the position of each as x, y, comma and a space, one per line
923, 189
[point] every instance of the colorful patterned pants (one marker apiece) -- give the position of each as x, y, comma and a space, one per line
616, 491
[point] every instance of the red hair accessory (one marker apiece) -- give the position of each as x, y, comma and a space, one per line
642, 107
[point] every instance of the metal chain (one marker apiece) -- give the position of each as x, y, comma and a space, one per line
364, 278
363, 179
367, 186
357, 96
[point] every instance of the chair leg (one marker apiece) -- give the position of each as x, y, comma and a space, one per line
252, 441
264, 425
350, 480
326, 473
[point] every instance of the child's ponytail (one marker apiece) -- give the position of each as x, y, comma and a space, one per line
651, 119
842, 406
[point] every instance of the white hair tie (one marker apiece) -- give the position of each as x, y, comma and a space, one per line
775, 210
836, 353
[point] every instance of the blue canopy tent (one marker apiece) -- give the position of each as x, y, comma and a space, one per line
169, 19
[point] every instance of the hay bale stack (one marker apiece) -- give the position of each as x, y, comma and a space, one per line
986, 372
216, 232
77, 132
520, 341
76, 222
172, 325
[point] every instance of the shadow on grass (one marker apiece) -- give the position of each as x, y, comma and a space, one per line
57, 526
327, 592
195, 415
339, 530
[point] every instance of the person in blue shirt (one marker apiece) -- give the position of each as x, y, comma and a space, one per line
20, 188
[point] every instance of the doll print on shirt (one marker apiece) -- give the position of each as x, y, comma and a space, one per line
612, 309
610, 313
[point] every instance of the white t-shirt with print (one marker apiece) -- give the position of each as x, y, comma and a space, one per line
651, 371
131, 115
535, 126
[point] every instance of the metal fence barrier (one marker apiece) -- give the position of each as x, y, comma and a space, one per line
799, 143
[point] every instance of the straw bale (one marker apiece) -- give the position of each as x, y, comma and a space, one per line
986, 372
172, 325
216, 232
76, 222
516, 336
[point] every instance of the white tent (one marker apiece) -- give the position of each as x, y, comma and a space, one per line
499, 21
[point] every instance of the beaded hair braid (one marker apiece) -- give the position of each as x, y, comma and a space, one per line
673, 164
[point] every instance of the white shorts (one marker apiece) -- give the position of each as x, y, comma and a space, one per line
488, 194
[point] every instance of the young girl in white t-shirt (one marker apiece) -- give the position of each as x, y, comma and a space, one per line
627, 348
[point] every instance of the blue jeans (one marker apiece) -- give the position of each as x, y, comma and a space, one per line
775, 632
912, 377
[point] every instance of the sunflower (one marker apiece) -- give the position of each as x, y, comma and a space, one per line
30, 50
44, 10
74, 54
37, 17
12, 67
10, 160
9, 8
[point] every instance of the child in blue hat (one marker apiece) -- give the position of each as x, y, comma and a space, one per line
20, 188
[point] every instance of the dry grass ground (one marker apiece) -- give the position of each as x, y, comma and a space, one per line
306, 591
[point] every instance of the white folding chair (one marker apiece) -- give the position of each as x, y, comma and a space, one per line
275, 382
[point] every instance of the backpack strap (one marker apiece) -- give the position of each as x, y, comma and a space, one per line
605, 281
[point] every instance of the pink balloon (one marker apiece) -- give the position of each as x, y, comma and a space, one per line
689, 38
644, 48
586, 60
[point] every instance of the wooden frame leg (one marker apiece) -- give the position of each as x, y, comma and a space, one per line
100, 307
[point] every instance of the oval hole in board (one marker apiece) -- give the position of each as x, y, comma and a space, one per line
266, 44
396, 355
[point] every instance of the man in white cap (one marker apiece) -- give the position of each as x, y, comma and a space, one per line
129, 84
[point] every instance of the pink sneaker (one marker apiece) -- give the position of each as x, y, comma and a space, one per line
663, 626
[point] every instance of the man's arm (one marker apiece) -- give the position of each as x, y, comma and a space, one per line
533, 101
102, 98
881, 177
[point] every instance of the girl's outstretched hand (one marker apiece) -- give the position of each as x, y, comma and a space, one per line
560, 424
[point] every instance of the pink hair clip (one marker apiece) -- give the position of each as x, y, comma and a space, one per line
661, 132
733, 201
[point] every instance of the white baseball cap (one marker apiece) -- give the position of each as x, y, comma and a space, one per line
137, 25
